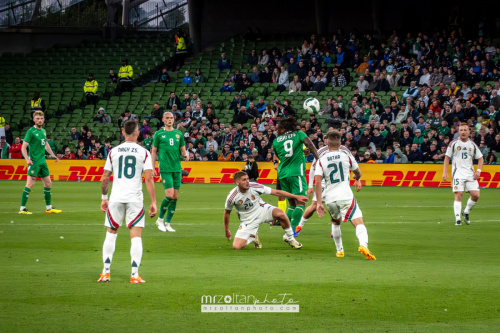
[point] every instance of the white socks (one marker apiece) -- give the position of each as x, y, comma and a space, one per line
289, 233
136, 255
250, 240
302, 221
107, 250
48, 207
337, 237
362, 235
470, 205
457, 208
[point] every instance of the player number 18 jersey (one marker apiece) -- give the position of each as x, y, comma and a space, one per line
127, 162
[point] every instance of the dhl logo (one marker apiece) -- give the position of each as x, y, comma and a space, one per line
427, 179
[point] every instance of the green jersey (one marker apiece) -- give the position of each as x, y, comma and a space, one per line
289, 149
168, 144
147, 143
36, 139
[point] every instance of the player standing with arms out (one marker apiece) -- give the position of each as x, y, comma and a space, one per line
36, 140
334, 167
292, 167
167, 143
127, 162
463, 152
253, 211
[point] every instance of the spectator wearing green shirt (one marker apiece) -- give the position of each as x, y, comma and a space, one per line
148, 140
443, 129
51, 143
418, 139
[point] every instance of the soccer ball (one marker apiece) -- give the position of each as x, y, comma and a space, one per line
311, 105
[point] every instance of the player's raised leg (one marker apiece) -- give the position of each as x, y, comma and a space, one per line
362, 235
474, 197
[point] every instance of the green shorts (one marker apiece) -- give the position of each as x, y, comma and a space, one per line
171, 179
296, 185
39, 169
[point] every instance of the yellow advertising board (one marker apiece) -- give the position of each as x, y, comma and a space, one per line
407, 175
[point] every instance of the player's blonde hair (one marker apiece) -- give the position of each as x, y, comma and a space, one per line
237, 175
463, 124
38, 113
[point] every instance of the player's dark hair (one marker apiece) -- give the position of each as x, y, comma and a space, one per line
129, 127
237, 175
288, 124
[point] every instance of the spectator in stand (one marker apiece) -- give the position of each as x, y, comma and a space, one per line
363, 66
383, 85
394, 78
338, 80
212, 155
113, 78
399, 157
90, 90
295, 85
223, 63
243, 82
198, 76
68, 155
173, 99
436, 78
226, 153
263, 59
252, 58
163, 77
15, 148
187, 78
226, 87
211, 142
415, 154
449, 78
74, 134
412, 91
106, 118
252, 169
93, 154
80, 155
283, 79
362, 84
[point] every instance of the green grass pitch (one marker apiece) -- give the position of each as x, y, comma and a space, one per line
430, 275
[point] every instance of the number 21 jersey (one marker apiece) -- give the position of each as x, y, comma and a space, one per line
334, 168
127, 163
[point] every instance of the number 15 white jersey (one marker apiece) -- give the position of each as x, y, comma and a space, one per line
462, 156
127, 162
334, 167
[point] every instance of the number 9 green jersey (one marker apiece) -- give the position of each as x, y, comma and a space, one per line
288, 147
168, 144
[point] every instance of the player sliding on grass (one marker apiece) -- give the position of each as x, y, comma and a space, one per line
167, 143
127, 162
253, 211
288, 147
334, 166
463, 152
36, 139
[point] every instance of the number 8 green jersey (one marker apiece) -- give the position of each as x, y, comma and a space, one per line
168, 144
288, 147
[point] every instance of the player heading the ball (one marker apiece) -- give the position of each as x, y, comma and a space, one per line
253, 211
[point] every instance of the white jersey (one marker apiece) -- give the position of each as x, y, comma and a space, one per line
323, 150
334, 168
127, 162
248, 204
462, 155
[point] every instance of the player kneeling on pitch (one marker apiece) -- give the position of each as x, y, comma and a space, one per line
127, 162
334, 166
253, 211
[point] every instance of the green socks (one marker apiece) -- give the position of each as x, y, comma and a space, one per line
297, 215
47, 195
163, 208
171, 209
289, 212
24, 196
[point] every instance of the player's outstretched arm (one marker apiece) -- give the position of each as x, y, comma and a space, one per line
154, 153
227, 215
311, 147
480, 163
319, 204
279, 193
445, 167
104, 190
47, 148
24, 150
150, 186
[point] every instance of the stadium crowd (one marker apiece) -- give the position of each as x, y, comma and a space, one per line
445, 79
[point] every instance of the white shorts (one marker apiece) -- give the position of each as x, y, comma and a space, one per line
133, 212
249, 228
346, 210
467, 185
